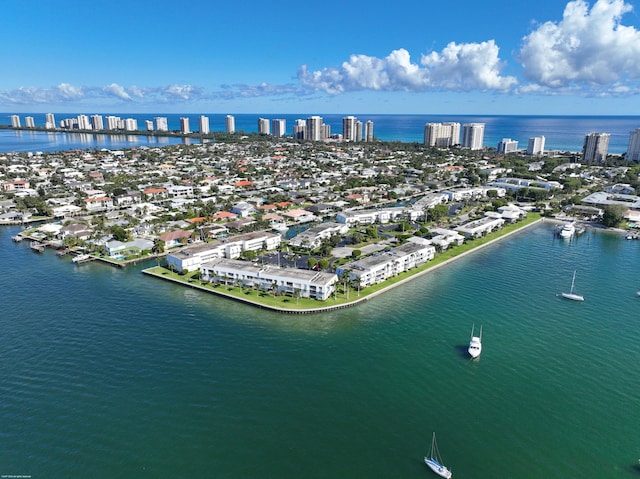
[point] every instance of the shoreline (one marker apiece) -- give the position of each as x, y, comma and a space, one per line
349, 304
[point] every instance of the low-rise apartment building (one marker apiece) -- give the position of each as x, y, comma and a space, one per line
381, 266
192, 258
297, 282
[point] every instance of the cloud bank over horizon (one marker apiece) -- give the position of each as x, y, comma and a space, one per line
589, 52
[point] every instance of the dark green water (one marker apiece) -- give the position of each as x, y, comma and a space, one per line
107, 373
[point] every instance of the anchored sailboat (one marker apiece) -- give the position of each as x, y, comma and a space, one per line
434, 461
572, 294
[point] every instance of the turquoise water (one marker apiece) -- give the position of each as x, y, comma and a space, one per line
108, 373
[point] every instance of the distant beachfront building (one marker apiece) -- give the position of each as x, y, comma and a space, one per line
184, 125
131, 124
278, 127
112, 122
507, 145
49, 121
349, 129
595, 147
203, 123
314, 129
633, 150
442, 135
15, 121
473, 136
29, 122
161, 123
263, 126
300, 129
83, 122
536, 146
230, 124
368, 131
148, 125
96, 122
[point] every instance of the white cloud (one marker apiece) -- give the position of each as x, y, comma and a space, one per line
464, 67
589, 49
117, 91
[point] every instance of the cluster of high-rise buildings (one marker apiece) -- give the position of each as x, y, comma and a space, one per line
448, 134
313, 128
443, 135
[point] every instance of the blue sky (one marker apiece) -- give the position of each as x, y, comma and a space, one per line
406, 56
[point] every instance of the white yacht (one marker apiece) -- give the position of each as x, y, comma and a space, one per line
567, 231
475, 345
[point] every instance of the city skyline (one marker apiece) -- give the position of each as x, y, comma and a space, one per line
563, 57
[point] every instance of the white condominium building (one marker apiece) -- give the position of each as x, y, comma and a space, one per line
595, 147
633, 150
184, 125
442, 134
96, 122
112, 122
536, 146
278, 127
230, 124
300, 129
368, 131
49, 121
507, 145
314, 130
131, 124
83, 122
161, 123
203, 122
15, 121
263, 126
29, 122
349, 129
473, 136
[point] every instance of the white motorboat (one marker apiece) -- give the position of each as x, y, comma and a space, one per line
81, 258
279, 226
434, 461
572, 294
475, 345
567, 231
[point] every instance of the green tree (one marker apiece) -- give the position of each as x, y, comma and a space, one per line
613, 215
119, 233
311, 262
438, 212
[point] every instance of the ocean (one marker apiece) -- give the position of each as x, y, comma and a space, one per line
108, 373
563, 133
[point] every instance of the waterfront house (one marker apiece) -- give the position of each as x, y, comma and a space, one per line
79, 231
119, 250
173, 239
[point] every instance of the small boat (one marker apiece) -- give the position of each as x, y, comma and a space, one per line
475, 345
81, 258
567, 231
572, 294
434, 461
